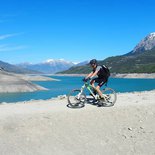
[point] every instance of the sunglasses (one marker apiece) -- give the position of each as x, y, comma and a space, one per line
92, 64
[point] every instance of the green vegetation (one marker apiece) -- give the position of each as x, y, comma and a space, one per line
142, 62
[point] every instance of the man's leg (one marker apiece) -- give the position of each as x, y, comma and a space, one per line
99, 91
101, 102
101, 82
94, 87
92, 83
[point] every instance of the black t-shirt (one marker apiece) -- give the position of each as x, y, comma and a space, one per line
100, 72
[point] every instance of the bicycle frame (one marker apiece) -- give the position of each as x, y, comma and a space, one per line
89, 87
78, 96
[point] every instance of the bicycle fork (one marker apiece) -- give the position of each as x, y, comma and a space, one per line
81, 91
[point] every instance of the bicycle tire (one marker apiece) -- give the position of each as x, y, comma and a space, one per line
112, 97
73, 101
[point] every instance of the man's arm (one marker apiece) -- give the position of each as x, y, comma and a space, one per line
96, 71
89, 75
94, 74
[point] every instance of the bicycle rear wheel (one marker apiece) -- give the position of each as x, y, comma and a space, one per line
76, 99
110, 97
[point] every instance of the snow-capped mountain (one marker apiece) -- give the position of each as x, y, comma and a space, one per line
57, 62
147, 43
49, 66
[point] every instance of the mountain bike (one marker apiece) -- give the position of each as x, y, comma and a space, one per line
77, 98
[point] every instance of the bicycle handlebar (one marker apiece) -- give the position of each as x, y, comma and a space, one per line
86, 79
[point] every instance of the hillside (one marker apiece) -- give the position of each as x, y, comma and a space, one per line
10, 82
140, 60
141, 63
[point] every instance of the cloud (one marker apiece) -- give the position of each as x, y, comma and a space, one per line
7, 47
10, 47
5, 36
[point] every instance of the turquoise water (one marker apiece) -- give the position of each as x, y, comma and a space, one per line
68, 83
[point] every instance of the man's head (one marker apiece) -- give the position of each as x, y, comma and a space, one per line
93, 63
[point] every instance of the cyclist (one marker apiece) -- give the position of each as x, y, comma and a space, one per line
101, 79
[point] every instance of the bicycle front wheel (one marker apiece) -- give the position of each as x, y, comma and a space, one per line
110, 96
76, 99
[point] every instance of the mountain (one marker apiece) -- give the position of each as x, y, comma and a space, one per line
144, 62
15, 69
146, 44
49, 66
140, 60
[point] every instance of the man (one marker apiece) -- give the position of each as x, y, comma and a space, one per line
101, 79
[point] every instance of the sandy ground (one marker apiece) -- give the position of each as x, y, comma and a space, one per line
51, 128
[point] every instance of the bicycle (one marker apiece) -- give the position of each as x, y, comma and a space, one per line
77, 98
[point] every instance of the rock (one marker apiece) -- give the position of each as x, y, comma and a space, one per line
62, 97
130, 129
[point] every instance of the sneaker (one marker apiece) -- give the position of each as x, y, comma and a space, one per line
95, 92
102, 102
102, 98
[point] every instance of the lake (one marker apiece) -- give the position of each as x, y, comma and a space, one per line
68, 83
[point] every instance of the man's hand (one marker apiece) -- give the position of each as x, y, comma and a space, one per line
86, 79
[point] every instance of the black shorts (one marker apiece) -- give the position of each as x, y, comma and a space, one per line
100, 81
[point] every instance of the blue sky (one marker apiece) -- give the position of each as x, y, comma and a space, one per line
75, 30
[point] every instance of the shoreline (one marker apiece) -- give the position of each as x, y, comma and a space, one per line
11, 82
135, 75
64, 96
118, 75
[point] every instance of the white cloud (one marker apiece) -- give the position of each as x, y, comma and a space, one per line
5, 36
7, 47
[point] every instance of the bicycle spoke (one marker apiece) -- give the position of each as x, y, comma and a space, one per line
76, 98
110, 96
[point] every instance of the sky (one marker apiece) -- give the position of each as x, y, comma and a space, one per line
75, 30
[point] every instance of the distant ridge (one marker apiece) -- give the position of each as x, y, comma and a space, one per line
15, 69
51, 66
